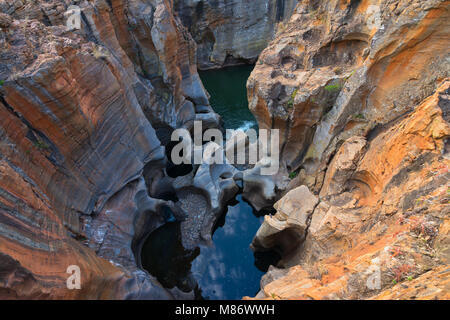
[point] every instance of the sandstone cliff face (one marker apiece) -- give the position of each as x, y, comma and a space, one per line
387, 227
347, 66
360, 91
232, 32
82, 112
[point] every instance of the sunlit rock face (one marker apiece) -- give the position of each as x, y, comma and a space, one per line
385, 233
342, 68
232, 32
82, 113
360, 93
358, 89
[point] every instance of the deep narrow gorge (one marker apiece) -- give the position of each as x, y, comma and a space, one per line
227, 267
359, 91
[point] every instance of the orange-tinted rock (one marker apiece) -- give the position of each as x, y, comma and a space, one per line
433, 285
360, 93
232, 32
78, 113
385, 234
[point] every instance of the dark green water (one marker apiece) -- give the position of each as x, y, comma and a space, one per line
228, 269
228, 91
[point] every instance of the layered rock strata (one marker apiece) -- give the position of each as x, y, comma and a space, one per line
360, 93
84, 116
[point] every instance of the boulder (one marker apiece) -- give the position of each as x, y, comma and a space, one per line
287, 228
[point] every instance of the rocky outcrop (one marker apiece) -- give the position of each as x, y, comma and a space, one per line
232, 32
342, 166
261, 189
287, 228
84, 115
380, 229
203, 197
344, 68
359, 91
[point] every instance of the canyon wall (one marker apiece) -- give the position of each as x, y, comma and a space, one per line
360, 92
232, 32
82, 117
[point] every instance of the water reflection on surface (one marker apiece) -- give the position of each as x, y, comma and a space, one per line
226, 270
228, 91
164, 256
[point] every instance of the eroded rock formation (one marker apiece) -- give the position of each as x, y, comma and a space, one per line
287, 228
387, 235
232, 32
360, 91
344, 68
82, 117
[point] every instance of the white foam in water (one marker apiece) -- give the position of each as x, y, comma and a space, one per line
247, 125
